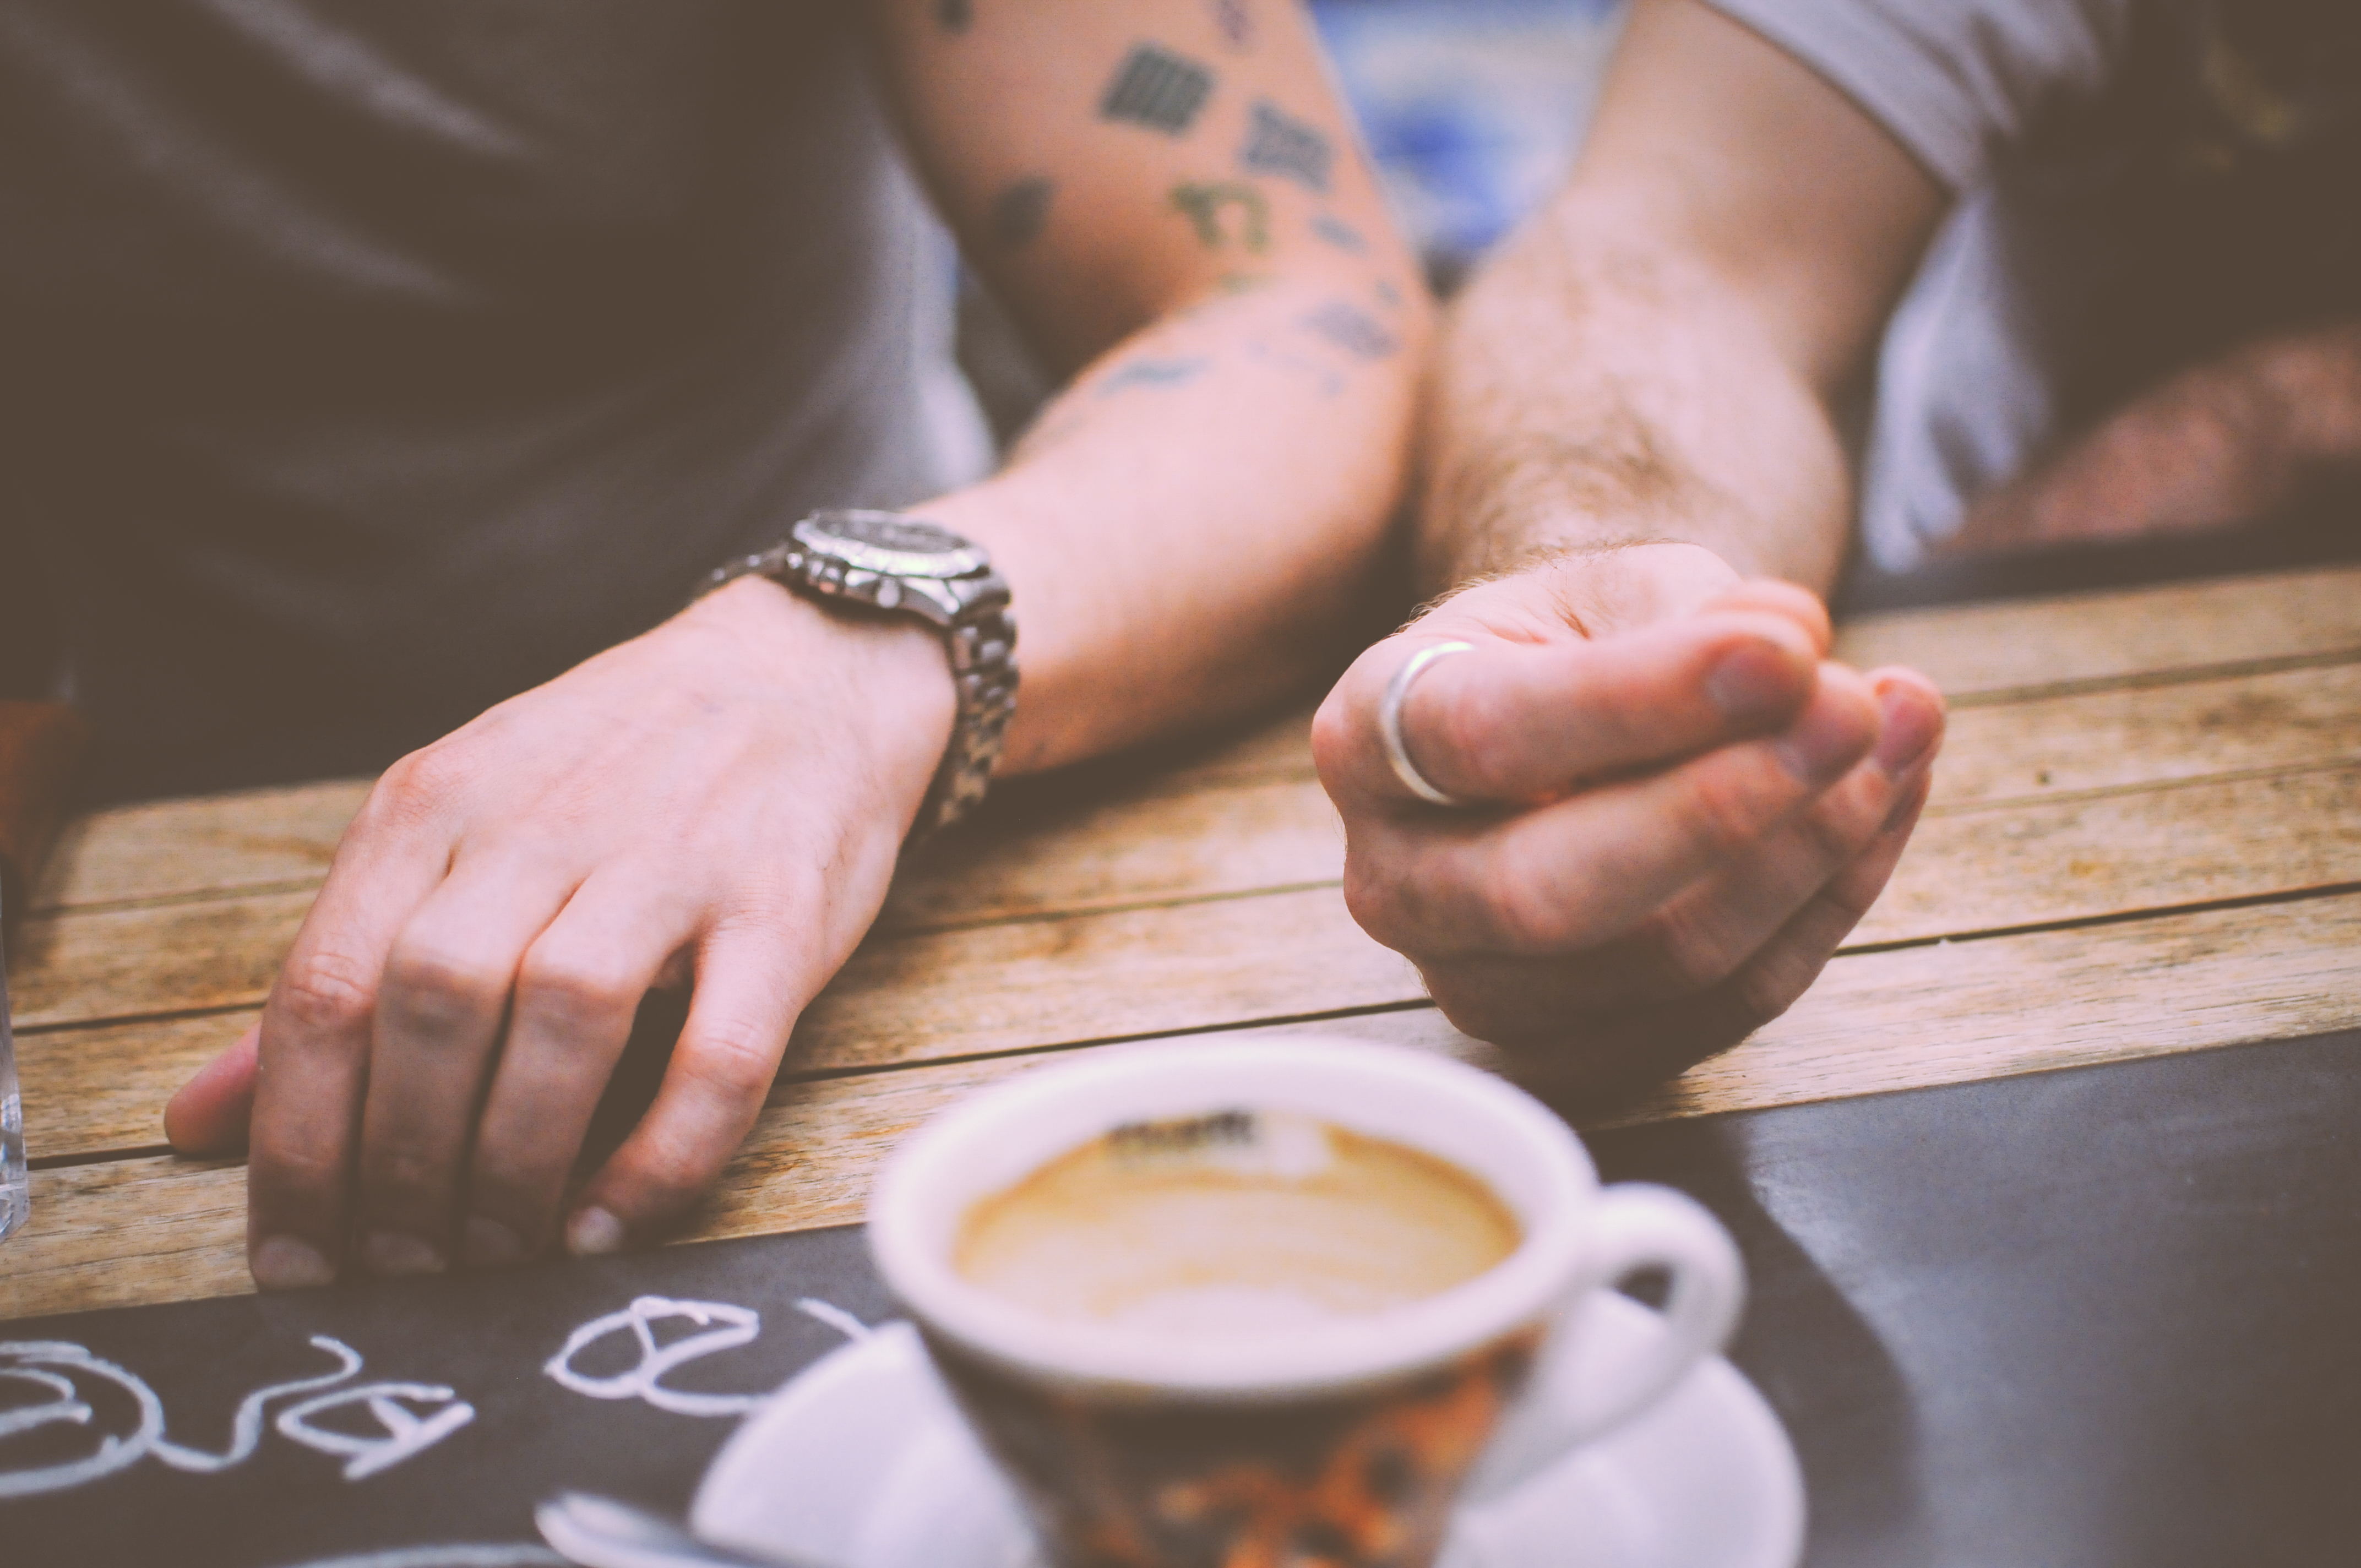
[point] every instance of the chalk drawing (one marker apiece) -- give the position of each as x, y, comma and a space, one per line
59, 1366
405, 1433
834, 1316
455, 1555
725, 1328
246, 1428
69, 1363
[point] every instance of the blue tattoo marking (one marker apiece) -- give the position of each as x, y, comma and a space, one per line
1152, 373
954, 16
1340, 233
1237, 27
1157, 89
1278, 143
1353, 330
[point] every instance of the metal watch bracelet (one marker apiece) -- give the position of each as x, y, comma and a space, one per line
971, 610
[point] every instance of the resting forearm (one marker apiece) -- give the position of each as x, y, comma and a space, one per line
1595, 392
1193, 527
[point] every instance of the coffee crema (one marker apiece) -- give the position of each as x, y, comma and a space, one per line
1237, 1223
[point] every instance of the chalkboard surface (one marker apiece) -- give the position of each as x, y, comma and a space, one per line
2089, 1317
446, 1433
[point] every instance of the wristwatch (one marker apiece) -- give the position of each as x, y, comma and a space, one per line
906, 566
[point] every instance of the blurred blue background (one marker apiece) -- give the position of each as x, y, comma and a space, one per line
1472, 107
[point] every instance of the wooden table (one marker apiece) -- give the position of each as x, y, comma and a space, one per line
2144, 839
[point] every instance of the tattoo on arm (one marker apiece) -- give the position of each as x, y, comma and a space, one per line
1157, 89
1340, 233
1237, 25
1019, 212
1354, 330
1279, 143
1388, 295
1152, 373
954, 16
1204, 205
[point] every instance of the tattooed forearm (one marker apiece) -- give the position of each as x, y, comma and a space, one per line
1278, 143
1354, 330
1157, 89
1335, 231
1204, 205
1019, 212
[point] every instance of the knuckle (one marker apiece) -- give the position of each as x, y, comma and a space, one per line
401, 1168
736, 1060
431, 983
326, 991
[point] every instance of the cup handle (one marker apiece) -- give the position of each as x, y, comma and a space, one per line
1574, 1399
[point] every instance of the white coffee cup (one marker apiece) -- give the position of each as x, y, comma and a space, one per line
1102, 1426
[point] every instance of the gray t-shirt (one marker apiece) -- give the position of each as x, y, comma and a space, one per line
2138, 184
368, 361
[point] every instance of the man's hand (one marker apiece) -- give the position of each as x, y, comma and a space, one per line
1681, 807
457, 999
2220, 445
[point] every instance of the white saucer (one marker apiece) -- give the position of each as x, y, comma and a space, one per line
862, 1462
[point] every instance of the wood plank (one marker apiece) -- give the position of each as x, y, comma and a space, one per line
176, 849
1099, 854
84, 965
1973, 651
2124, 738
2080, 860
100, 1090
164, 1229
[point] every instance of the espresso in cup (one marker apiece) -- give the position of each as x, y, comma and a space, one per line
1276, 1301
1234, 1222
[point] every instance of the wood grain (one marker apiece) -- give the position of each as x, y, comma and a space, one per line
90, 1091
1975, 652
2041, 748
178, 848
164, 1229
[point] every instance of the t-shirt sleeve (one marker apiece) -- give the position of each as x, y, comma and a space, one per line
1958, 82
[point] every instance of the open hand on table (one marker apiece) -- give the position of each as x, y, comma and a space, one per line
1678, 807
719, 801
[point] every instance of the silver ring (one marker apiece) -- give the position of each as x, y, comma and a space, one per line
1389, 709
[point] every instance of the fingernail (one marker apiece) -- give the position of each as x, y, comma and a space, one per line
393, 1254
1910, 728
593, 1231
1820, 745
282, 1262
487, 1244
1754, 680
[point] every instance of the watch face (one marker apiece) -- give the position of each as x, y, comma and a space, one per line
889, 542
